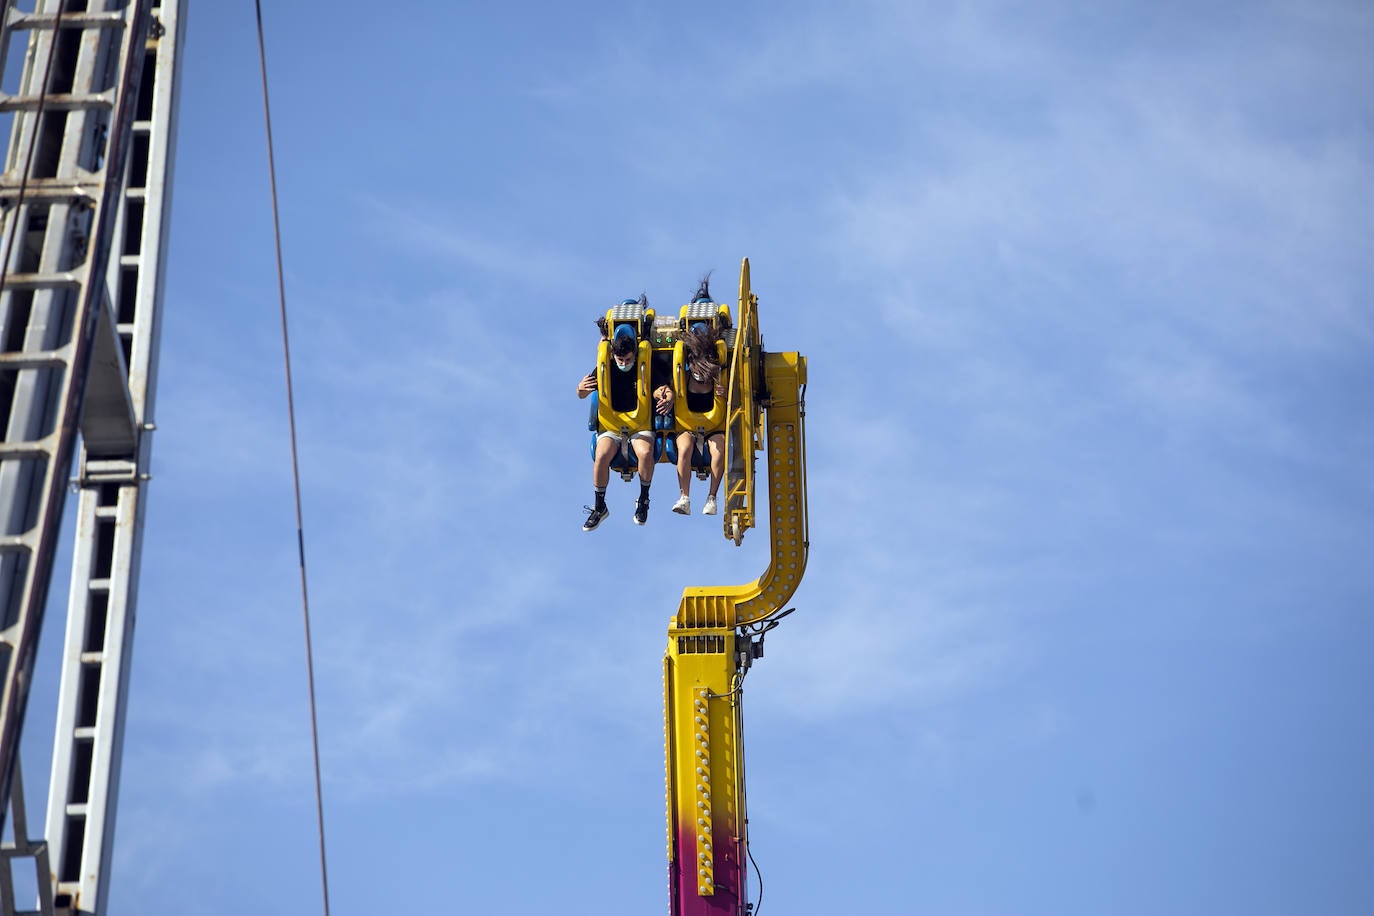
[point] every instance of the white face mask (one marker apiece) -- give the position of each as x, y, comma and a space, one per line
698, 376
624, 367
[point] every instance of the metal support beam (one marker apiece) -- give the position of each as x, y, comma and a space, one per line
24, 847
112, 481
81, 196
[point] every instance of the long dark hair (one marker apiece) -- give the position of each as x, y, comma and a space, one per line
700, 347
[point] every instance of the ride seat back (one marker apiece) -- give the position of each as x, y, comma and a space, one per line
626, 403
709, 420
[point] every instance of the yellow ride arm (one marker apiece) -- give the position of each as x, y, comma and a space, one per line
706, 658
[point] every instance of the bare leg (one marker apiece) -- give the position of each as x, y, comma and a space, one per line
716, 446
684, 463
606, 447
644, 451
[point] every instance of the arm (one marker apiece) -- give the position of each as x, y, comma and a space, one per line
663, 399
587, 385
662, 377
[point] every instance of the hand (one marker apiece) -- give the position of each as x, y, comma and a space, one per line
587, 385
663, 400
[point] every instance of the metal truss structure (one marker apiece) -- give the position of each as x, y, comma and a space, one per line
84, 210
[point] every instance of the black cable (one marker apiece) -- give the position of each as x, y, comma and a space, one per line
295, 461
751, 909
758, 904
758, 630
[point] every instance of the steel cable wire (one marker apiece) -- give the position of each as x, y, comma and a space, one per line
295, 461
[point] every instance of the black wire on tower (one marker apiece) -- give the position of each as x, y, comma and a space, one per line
295, 462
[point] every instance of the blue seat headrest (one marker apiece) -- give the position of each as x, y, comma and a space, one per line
625, 331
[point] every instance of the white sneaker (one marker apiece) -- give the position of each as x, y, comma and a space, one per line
710, 507
683, 506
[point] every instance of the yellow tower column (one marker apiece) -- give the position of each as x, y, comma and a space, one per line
705, 662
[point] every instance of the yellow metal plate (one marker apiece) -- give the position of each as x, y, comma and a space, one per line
743, 415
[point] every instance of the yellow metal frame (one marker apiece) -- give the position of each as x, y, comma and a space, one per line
743, 415
702, 668
704, 763
784, 439
607, 417
684, 418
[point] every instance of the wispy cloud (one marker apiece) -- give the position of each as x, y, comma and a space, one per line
454, 240
1148, 171
863, 648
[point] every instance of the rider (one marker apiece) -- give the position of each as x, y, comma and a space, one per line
624, 348
704, 390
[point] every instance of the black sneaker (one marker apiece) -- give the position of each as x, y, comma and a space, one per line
595, 517
641, 511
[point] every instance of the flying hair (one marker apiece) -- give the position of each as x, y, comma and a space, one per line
700, 344
703, 288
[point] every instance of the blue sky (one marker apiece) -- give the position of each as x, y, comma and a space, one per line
1085, 291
